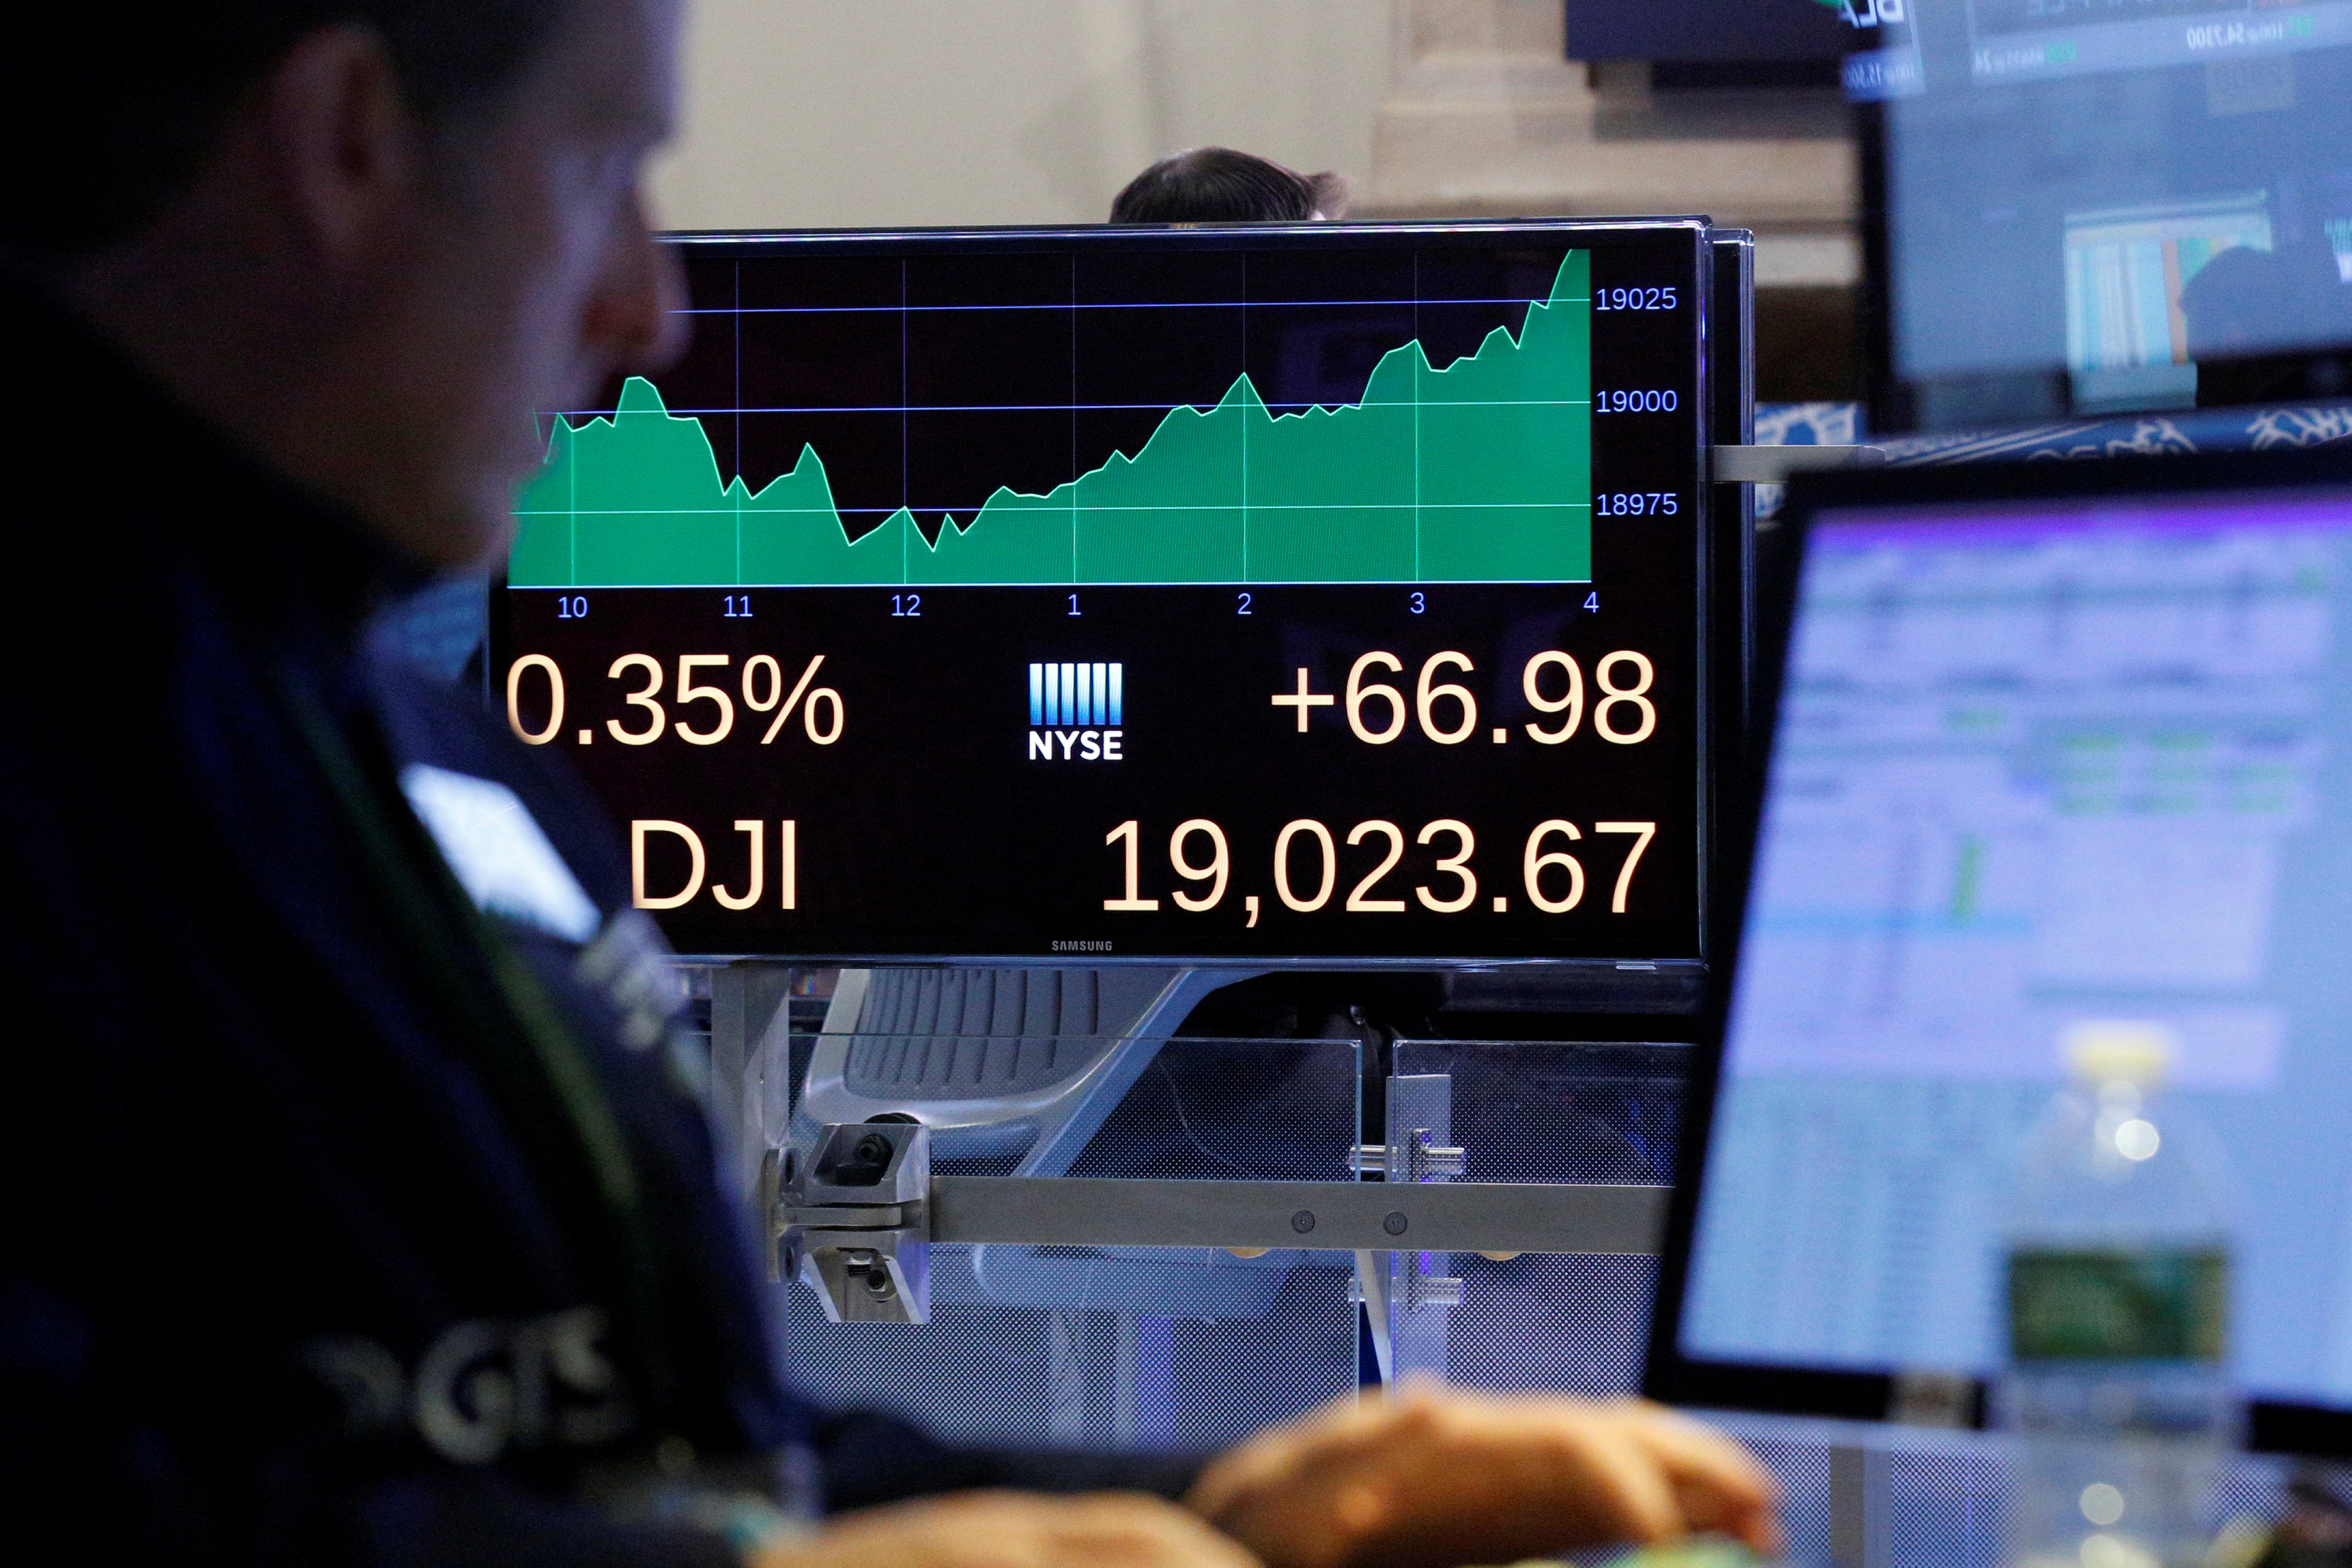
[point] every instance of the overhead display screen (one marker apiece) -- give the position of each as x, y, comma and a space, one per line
1716, 29
2095, 207
1327, 592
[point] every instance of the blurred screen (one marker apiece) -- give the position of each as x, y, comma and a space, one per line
1710, 30
2037, 764
2101, 205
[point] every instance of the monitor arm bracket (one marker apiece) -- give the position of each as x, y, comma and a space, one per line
1772, 465
850, 1217
853, 1211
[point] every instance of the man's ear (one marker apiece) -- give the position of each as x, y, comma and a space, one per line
344, 145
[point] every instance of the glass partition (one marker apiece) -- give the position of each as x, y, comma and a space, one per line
1156, 1348
1533, 1110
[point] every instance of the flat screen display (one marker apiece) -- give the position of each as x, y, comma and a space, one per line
1330, 592
2038, 763
2089, 206
1711, 30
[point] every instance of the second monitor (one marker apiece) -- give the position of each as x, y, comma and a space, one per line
2055, 745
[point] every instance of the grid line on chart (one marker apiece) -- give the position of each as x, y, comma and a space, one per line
926, 584
689, 412
1125, 506
1135, 305
1245, 462
906, 462
739, 492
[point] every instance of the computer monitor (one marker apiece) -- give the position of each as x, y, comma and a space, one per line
1319, 594
2055, 744
2089, 206
1748, 31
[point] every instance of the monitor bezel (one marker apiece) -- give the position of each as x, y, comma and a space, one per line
1661, 983
1785, 1389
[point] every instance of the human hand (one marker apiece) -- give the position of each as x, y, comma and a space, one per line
1016, 1529
1432, 1476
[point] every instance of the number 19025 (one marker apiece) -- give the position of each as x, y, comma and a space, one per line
1663, 299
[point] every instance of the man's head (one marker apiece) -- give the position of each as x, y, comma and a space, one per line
1219, 185
370, 237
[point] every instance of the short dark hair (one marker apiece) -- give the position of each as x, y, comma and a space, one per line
1219, 185
108, 107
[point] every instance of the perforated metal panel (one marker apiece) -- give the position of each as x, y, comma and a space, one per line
1566, 1323
1539, 1111
1176, 1349
1035, 1376
1802, 1467
1943, 1496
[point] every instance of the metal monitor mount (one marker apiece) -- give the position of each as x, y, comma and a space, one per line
853, 1212
1026, 1064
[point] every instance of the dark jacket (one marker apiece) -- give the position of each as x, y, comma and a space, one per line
342, 1222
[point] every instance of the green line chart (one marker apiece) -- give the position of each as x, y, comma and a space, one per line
1476, 471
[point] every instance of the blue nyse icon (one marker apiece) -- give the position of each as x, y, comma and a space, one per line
1076, 711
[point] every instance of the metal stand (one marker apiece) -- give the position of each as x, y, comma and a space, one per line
853, 1211
1406, 1293
912, 1065
1860, 1496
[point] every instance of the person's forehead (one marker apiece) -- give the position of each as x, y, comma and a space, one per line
614, 61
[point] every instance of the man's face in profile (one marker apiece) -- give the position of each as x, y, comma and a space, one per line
529, 275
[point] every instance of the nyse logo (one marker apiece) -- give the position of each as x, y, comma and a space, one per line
1076, 711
